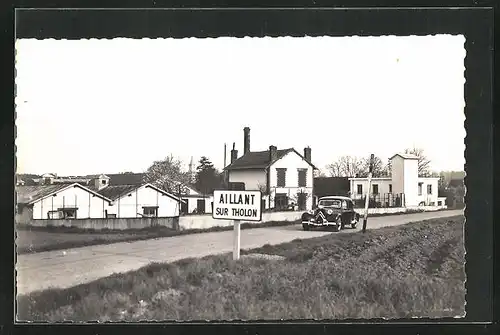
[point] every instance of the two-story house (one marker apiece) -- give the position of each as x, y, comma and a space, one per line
284, 176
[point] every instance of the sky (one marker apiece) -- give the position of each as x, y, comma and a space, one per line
110, 106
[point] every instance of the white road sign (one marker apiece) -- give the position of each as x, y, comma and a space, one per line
237, 205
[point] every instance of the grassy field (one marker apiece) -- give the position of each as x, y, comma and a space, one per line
414, 270
38, 239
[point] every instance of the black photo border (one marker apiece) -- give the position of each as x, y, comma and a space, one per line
311, 18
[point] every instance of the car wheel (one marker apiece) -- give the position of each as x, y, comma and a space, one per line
305, 226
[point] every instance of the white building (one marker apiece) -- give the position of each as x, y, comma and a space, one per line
61, 201
285, 177
404, 188
98, 200
195, 202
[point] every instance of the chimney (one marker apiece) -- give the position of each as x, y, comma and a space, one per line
273, 154
307, 154
246, 140
234, 153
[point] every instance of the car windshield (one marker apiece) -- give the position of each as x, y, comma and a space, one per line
330, 203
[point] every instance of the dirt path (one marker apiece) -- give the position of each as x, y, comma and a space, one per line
66, 268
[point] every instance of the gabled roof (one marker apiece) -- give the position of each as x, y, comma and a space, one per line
126, 178
405, 156
31, 194
260, 159
114, 192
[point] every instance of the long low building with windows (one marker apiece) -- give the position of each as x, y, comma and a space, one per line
403, 189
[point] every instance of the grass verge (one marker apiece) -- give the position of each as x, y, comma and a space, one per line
413, 270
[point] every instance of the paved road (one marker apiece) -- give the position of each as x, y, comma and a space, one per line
70, 267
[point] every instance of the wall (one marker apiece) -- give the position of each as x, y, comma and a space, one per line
193, 203
251, 178
292, 162
428, 198
89, 205
411, 182
394, 210
115, 224
206, 221
383, 185
130, 205
397, 174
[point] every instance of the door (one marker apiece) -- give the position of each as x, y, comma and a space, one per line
184, 206
200, 206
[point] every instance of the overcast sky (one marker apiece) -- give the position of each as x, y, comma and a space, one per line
109, 106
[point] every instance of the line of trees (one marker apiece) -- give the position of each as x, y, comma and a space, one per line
351, 166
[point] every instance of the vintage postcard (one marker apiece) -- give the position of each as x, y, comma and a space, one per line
273, 178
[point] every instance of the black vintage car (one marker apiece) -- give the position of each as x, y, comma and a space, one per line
331, 212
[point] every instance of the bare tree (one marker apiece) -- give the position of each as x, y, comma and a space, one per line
423, 162
345, 166
379, 168
169, 175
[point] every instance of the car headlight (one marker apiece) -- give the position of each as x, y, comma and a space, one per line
330, 212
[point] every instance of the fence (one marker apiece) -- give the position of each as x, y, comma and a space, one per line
383, 200
207, 221
109, 223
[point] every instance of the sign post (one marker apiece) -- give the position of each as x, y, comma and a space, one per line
236, 239
367, 200
237, 206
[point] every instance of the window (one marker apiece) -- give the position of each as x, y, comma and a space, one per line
52, 215
68, 213
429, 189
302, 177
281, 182
360, 189
281, 201
375, 189
103, 181
390, 188
330, 203
150, 211
419, 188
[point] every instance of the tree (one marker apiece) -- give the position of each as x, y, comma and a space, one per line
345, 166
207, 176
168, 175
379, 168
350, 166
423, 162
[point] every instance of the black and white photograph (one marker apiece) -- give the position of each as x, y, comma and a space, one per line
254, 178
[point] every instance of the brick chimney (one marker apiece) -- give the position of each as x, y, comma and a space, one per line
234, 153
307, 154
246, 140
273, 153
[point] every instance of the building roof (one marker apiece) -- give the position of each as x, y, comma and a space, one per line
126, 178
30, 194
260, 159
114, 192
405, 156
324, 186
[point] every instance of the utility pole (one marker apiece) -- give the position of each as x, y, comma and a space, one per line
367, 200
